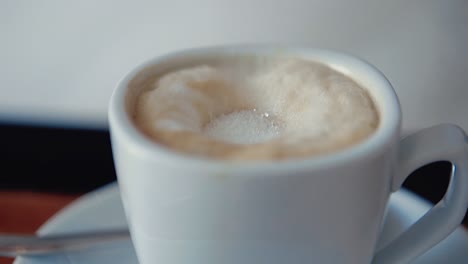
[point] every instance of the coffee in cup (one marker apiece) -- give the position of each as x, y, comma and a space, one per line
330, 121
256, 108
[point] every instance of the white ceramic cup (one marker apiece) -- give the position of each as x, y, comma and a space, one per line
329, 209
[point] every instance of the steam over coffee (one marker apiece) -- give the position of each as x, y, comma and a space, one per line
256, 108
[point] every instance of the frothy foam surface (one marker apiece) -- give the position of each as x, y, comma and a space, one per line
243, 127
256, 108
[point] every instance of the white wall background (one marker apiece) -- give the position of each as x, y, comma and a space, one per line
59, 60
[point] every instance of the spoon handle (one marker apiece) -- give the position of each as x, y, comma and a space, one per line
22, 245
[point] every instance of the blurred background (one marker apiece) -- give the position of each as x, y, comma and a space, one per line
60, 60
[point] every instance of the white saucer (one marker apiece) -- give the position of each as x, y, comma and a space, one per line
103, 209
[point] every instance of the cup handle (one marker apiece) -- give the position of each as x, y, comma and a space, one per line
439, 143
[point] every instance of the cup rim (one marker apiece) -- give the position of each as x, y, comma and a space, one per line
385, 98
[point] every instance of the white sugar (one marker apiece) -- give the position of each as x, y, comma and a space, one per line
243, 127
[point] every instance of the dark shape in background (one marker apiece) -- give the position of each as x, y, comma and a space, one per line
51, 159
74, 160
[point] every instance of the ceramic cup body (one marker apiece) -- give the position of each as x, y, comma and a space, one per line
183, 209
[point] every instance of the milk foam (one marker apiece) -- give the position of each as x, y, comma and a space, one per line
243, 127
256, 108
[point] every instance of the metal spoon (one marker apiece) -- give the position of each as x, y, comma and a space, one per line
27, 245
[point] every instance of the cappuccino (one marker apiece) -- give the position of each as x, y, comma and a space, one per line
256, 108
